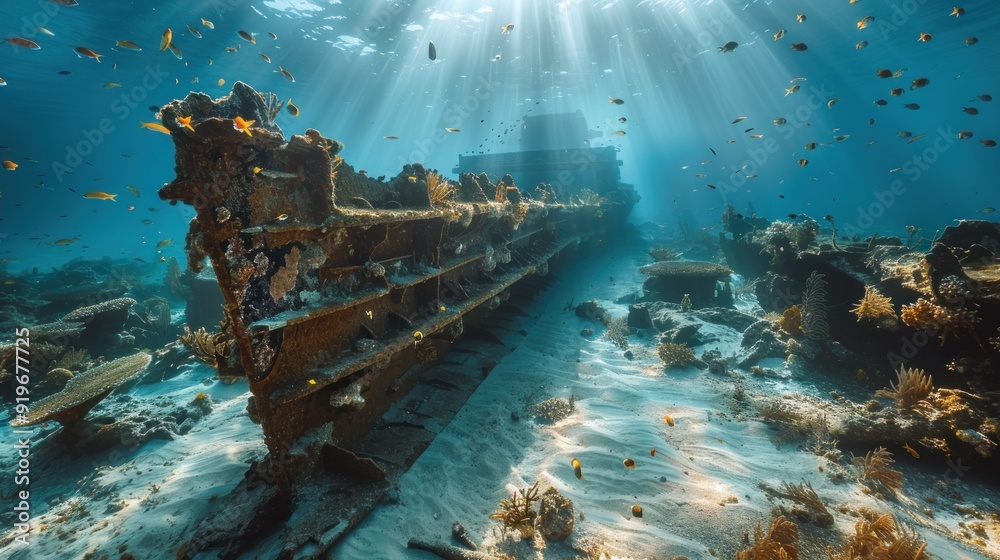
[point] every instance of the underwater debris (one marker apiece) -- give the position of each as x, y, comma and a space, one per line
675, 355
84, 391
875, 307
553, 410
671, 280
555, 515
516, 513
617, 331
779, 543
877, 472
914, 386
926, 315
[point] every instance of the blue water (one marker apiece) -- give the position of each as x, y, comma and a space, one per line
362, 72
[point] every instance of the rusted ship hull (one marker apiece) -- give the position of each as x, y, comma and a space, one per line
339, 289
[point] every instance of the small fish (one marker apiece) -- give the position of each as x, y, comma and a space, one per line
860, 45
100, 195
616, 101
128, 45
969, 41
22, 42
185, 122
779, 35
452, 129
895, 169
243, 125
924, 37
154, 210
207, 23
652, 452
64, 72
700, 175
713, 151
9, 165
965, 135
165, 39
577, 469
391, 137
507, 28
811, 146
881, 102
791, 90
281, 217
411, 179
711, 186
619, 133
896, 92
62, 242
904, 133
793, 216
84, 51
956, 11
871, 121
800, 46
919, 83
911, 451
738, 119
45, 31
265, 58
756, 136
497, 57
194, 32
988, 143
915, 138
176, 52
286, 74
780, 121
987, 210
292, 108
970, 110
111, 85
803, 162
221, 82
629, 463
865, 22
830, 103
155, 126
432, 52
131, 208
912, 106
164, 243
232, 49
272, 35
247, 36
147, 222
800, 18
842, 137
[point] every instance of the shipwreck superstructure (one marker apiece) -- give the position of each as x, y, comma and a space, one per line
340, 290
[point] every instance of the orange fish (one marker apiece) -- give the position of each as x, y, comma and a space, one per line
9, 165
669, 420
577, 469
911, 450
243, 125
155, 126
186, 121
84, 51
165, 40
629, 463
22, 42
99, 195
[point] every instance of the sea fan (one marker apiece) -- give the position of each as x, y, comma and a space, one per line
913, 387
876, 469
814, 323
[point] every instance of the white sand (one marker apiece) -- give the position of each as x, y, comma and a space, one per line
712, 453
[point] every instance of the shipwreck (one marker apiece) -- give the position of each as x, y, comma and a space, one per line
342, 295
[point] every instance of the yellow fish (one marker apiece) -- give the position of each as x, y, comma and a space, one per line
292, 108
164, 243
243, 125
669, 420
99, 195
506, 29
629, 463
165, 39
9, 165
112, 85
207, 23
155, 126
911, 451
577, 469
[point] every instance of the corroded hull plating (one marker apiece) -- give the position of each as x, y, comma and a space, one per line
338, 286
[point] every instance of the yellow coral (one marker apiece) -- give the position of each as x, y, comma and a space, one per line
675, 355
913, 387
779, 543
874, 306
791, 321
517, 513
439, 189
926, 315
